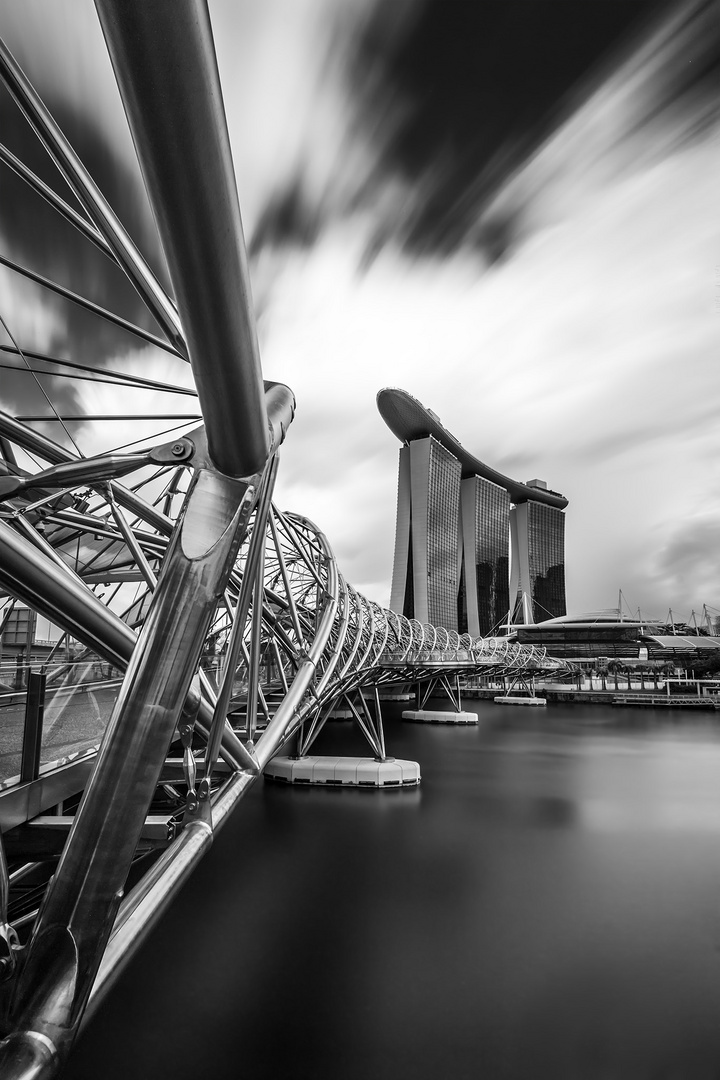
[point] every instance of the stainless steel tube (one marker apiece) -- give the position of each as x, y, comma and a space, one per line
164, 60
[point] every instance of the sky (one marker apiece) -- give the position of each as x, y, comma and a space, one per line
508, 209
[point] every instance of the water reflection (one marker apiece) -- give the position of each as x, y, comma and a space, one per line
546, 904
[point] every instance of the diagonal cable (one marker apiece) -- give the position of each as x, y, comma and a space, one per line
40, 387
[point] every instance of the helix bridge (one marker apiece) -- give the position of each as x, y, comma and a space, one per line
203, 629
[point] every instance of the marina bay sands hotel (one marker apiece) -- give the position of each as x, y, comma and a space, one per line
474, 549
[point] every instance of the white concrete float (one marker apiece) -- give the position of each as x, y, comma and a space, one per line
344, 712
509, 699
431, 716
344, 771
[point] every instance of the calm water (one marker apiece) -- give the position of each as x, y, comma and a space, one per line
546, 904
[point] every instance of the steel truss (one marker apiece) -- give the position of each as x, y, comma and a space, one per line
240, 632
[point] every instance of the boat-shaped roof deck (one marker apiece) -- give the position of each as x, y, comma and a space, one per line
408, 419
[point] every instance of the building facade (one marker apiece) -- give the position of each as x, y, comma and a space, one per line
426, 565
537, 585
484, 596
474, 550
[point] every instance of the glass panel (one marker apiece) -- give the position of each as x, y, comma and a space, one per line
442, 536
79, 698
12, 718
80, 691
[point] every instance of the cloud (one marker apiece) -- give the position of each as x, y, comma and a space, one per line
587, 358
300, 153
32, 321
60, 47
556, 309
31, 317
97, 398
686, 563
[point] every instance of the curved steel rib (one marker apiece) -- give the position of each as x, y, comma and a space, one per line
165, 65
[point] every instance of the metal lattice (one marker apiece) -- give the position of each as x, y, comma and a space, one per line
220, 626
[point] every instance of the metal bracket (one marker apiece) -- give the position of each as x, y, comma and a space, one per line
197, 806
97, 470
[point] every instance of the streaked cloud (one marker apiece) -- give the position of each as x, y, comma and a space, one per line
536, 267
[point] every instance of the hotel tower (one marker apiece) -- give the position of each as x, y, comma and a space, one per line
474, 549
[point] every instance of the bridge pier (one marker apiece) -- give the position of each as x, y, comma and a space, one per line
430, 689
525, 695
344, 771
380, 771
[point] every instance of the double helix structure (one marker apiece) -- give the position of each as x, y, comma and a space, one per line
207, 628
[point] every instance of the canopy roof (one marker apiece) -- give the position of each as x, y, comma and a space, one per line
684, 643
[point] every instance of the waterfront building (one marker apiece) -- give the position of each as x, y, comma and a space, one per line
537, 586
426, 567
484, 596
598, 637
458, 532
589, 637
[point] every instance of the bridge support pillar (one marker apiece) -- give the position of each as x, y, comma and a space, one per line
344, 771
439, 716
439, 686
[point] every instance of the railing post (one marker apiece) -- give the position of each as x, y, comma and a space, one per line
32, 732
18, 680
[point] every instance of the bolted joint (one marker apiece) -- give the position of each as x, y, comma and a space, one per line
172, 453
197, 806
